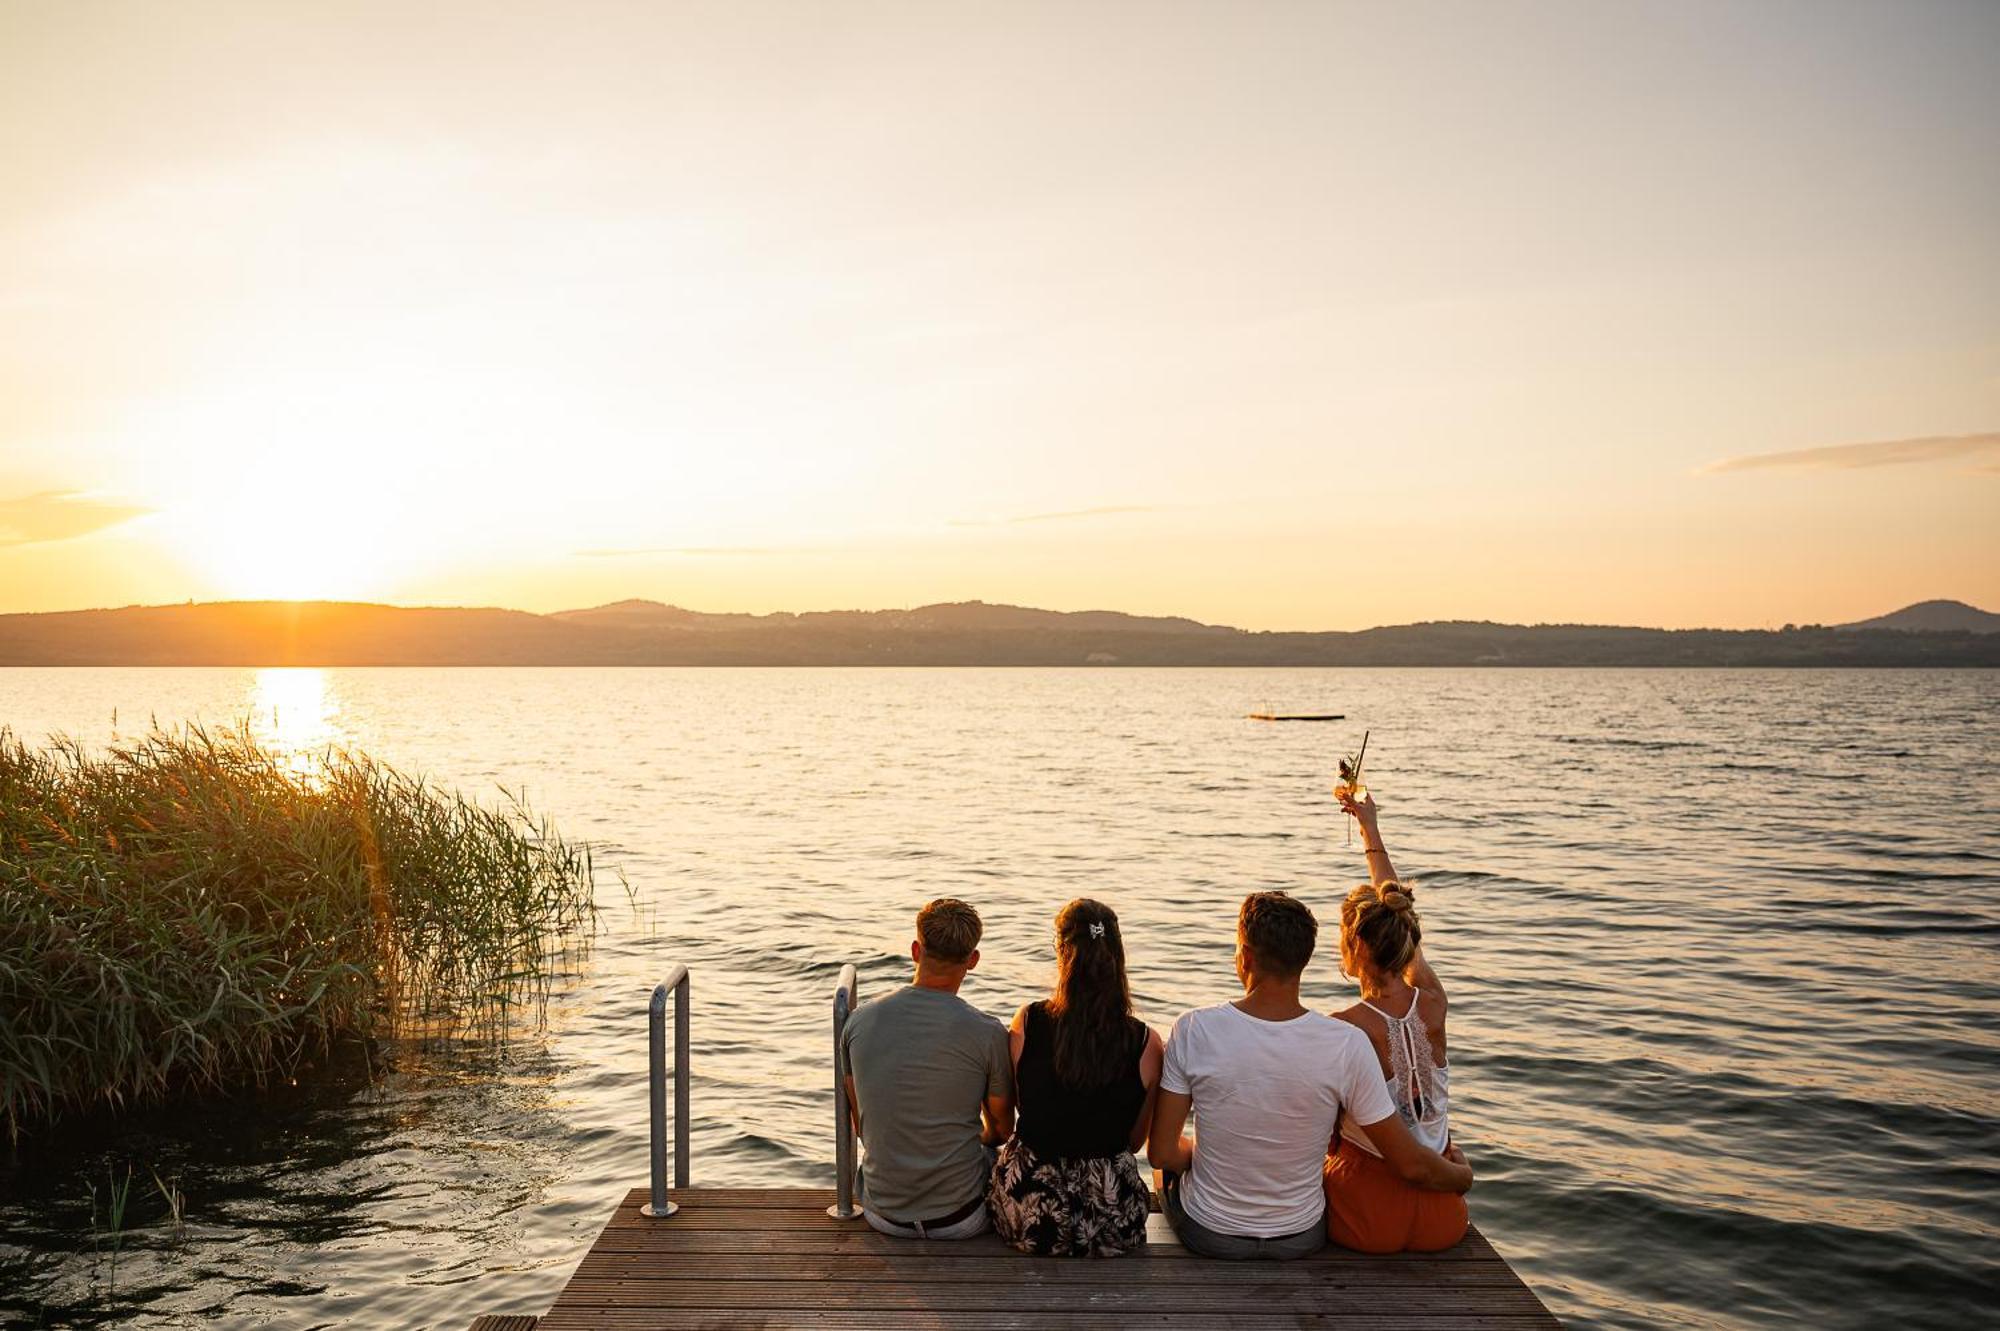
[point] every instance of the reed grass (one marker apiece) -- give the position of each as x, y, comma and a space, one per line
189, 913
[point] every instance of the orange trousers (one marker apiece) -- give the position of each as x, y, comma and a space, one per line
1369, 1207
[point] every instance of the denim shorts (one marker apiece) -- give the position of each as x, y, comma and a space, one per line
1199, 1239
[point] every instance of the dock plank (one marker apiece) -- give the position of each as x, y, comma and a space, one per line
853, 1239
771, 1257
955, 1296
729, 1319
998, 1264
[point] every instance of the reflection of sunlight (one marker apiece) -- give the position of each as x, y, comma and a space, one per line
292, 712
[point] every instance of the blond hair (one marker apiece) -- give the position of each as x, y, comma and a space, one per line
1382, 923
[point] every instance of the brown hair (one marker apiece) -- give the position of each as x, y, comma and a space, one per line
1278, 932
1092, 1003
1382, 921
950, 930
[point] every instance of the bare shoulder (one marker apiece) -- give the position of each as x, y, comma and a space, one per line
1020, 1022
1374, 1032
1152, 1058
1360, 1014
1432, 1006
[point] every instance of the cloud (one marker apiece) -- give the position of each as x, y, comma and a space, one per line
1067, 515
59, 515
640, 552
1885, 453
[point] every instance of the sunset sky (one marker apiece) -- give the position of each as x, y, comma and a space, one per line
1310, 315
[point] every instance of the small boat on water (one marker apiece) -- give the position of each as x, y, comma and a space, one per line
1297, 716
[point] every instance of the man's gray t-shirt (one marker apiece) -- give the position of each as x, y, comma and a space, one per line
923, 1061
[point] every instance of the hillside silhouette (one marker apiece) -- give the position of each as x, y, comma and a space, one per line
969, 633
1934, 617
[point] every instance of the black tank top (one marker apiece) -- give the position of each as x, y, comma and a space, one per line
1063, 1122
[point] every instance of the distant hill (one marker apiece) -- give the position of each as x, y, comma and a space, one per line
1934, 617
967, 633
953, 616
285, 633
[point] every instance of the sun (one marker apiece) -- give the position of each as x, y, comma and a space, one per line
295, 528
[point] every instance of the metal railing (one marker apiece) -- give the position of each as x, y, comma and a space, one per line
843, 1207
661, 1206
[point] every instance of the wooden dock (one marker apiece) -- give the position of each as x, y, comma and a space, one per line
772, 1257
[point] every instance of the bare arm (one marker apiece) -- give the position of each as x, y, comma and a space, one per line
1416, 1163
1149, 1073
1167, 1147
998, 1111
1363, 810
1418, 973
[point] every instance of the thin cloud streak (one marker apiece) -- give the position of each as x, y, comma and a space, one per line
1067, 515
641, 552
59, 515
1884, 453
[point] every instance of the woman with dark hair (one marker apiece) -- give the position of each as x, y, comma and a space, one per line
1085, 1073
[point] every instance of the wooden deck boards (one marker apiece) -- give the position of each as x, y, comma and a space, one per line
771, 1257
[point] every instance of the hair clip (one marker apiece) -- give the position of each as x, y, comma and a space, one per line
1096, 930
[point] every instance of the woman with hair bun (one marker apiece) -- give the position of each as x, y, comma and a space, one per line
1085, 1074
1402, 1010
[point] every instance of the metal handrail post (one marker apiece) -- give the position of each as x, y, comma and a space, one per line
843, 1207
661, 1205
681, 1117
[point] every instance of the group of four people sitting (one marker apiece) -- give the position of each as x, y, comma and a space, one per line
1308, 1127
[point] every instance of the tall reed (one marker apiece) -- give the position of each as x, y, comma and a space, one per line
187, 913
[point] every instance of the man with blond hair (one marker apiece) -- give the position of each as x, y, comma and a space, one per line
931, 1083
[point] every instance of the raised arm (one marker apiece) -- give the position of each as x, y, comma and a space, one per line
1380, 870
1418, 973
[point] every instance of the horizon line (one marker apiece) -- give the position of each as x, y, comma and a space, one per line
299, 603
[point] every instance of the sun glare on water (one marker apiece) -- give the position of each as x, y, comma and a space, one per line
292, 712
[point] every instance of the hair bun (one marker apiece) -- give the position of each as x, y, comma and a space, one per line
1383, 921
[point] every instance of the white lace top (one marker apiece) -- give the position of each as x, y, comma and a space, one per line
1420, 1088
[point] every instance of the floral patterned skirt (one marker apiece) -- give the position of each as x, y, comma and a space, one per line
1093, 1207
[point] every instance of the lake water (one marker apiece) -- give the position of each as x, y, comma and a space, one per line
1721, 948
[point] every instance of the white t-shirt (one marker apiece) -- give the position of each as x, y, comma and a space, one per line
1266, 1097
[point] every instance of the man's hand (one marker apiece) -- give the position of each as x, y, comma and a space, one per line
1417, 1163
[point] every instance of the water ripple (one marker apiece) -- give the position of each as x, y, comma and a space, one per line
1720, 949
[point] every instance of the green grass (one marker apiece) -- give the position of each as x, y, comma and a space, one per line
188, 914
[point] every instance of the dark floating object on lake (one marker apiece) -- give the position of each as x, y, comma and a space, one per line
1297, 716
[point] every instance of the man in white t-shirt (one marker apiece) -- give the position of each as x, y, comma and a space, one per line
1267, 1080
